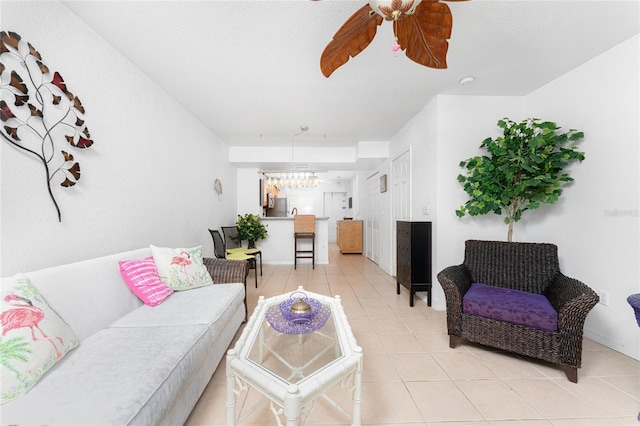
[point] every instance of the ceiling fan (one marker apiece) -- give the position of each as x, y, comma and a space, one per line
421, 28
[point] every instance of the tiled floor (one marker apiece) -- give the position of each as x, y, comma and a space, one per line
412, 377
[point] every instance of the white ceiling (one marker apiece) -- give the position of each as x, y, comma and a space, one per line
249, 69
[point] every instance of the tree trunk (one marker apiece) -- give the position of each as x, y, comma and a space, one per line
512, 213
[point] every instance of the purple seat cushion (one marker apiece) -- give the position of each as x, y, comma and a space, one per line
514, 306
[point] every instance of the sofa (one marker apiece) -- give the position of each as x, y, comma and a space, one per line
513, 296
134, 364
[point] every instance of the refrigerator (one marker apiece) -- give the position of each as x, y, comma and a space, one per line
279, 208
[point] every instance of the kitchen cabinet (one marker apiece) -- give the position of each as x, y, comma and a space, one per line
349, 236
413, 258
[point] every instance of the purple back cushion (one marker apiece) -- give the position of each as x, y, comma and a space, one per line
514, 306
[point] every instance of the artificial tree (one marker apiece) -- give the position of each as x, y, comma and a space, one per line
524, 169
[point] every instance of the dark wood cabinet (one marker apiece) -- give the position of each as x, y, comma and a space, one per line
413, 261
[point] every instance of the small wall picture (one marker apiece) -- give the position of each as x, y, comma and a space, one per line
383, 183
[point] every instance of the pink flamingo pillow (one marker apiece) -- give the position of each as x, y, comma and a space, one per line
33, 336
181, 268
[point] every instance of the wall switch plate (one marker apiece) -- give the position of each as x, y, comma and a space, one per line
425, 210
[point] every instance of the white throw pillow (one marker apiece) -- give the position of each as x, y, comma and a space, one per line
34, 337
181, 268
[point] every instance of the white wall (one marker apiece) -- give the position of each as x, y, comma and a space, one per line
248, 191
147, 179
596, 223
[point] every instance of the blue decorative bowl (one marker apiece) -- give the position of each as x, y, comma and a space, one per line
300, 309
284, 325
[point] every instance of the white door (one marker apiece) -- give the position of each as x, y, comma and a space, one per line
335, 207
400, 196
373, 219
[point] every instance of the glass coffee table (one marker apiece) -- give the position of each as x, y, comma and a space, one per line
292, 362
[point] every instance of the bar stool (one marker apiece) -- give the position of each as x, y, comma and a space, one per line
304, 227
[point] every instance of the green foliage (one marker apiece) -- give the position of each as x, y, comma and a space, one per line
524, 169
250, 228
14, 349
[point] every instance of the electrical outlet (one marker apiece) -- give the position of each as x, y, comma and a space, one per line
604, 297
425, 210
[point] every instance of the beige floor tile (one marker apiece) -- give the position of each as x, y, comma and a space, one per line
624, 360
605, 398
440, 401
438, 342
497, 401
412, 314
360, 325
605, 363
325, 411
628, 384
429, 325
418, 367
379, 368
389, 403
400, 424
210, 409
463, 366
508, 366
379, 312
370, 343
389, 325
584, 422
401, 343
552, 400
626, 421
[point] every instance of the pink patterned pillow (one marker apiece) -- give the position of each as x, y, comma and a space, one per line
142, 278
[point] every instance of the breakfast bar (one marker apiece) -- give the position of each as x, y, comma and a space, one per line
278, 247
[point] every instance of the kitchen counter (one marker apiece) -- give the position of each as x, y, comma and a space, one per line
277, 248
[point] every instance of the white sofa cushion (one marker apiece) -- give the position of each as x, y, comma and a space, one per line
138, 371
204, 305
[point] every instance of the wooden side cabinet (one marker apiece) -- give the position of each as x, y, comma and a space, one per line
349, 236
413, 259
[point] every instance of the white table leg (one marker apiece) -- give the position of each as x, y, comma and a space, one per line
292, 405
357, 391
231, 395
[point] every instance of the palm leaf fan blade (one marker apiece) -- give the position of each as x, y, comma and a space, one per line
424, 34
352, 38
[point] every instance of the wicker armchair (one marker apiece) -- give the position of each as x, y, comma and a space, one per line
529, 267
229, 271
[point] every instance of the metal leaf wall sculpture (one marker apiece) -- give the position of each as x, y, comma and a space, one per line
39, 113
